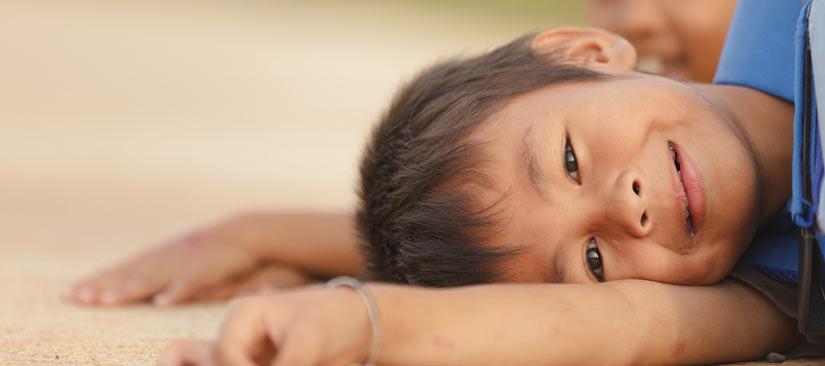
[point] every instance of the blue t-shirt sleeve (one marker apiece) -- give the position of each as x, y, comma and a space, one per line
759, 48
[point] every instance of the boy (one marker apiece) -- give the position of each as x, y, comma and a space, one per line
672, 39
548, 160
658, 204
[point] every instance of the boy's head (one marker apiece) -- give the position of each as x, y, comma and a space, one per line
549, 160
681, 39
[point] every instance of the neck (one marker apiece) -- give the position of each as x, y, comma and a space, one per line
766, 125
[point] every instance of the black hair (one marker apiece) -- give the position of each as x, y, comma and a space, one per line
420, 218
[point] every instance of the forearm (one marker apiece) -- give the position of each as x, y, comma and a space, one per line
626, 323
321, 244
505, 324
726, 322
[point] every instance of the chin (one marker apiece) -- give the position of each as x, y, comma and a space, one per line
713, 264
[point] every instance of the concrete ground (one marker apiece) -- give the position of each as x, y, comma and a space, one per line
125, 123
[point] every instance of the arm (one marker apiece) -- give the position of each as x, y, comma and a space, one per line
249, 253
324, 245
624, 322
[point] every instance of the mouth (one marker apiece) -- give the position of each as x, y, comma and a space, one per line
690, 191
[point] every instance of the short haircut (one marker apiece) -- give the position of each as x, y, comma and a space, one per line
419, 215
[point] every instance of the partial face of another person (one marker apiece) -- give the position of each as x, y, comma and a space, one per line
681, 39
635, 176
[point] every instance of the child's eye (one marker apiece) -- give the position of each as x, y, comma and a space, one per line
593, 258
570, 163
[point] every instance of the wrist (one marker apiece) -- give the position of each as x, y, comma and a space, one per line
368, 317
247, 232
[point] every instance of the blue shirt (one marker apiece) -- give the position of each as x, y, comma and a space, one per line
759, 48
759, 54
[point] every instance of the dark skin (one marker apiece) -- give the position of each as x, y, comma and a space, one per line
629, 320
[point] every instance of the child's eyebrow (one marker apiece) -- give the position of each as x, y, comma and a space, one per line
531, 162
561, 258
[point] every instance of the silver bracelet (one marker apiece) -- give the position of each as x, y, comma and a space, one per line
372, 311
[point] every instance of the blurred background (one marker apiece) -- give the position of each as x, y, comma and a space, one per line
205, 104
123, 123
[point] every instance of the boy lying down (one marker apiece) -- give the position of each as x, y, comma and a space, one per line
607, 206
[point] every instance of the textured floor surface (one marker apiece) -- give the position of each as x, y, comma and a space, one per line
125, 123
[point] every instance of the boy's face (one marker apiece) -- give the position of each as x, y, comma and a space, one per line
681, 39
592, 189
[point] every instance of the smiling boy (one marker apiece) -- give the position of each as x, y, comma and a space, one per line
616, 176
570, 168
551, 163
642, 177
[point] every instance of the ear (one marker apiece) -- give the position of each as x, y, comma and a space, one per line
590, 46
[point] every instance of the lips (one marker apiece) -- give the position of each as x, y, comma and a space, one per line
690, 190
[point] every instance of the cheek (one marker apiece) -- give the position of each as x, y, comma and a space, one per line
731, 183
732, 180
702, 39
601, 14
702, 52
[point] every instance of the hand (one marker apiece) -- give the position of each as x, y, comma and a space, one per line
313, 326
216, 263
266, 278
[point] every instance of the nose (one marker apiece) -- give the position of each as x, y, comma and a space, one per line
626, 205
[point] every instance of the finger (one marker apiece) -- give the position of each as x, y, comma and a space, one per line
206, 272
88, 292
137, 287
242, 337
93, 289
183, 287
186, 353
301, 346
